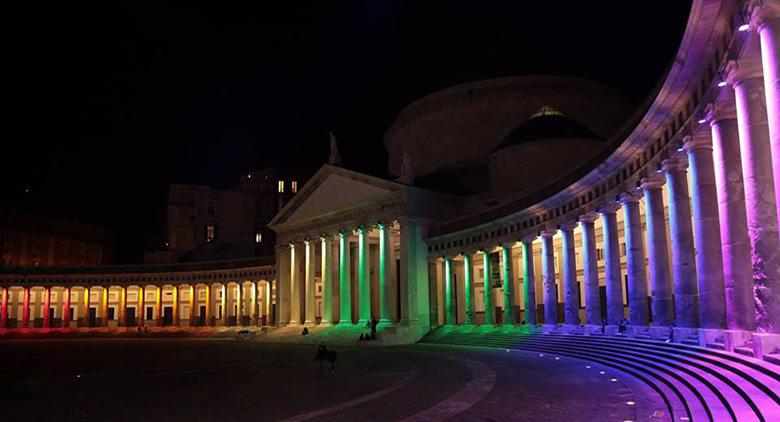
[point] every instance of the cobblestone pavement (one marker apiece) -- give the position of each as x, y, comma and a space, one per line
185, 379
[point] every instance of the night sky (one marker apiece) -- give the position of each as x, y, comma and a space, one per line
106, 103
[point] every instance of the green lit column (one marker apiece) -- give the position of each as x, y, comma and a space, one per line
345, 291
529, 281
510, 313
364, 281
296, 288
468, 290
487, 297
449, 290
327, 280
385, 292
310, 267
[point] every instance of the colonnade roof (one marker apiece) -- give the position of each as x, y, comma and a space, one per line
266, 261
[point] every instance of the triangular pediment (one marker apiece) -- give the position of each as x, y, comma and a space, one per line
333, 189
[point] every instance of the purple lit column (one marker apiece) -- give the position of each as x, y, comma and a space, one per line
590, 269
529, 281
737, 269
571, 308
612, 274
686, 298
760, 202
766, 20
635, 259
548, 275
657, 251
706, 225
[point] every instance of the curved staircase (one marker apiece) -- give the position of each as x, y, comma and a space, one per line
697, 384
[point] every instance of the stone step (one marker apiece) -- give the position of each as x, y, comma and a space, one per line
716, 346
772, 358
742, 350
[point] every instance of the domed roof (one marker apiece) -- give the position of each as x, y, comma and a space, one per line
546, 123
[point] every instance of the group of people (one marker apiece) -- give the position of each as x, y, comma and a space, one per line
371, 335
324, 355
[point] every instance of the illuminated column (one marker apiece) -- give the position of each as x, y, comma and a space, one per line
657, 251
490, 307
296, 283
706, 239
141, 308
590, 269
310, 267
122, 306
345, 288
4, 309
635, 259
283, 284
686, 301
510, 312
385, 284
760, 198
26, 308
46, 307
193, 305
529, 281
737, 267
548, 276
570, 290
413, 279
158, 306
364, 280
449, 299
85, 307
104, 306
326, 257
766, 21
211, 305
254, 314
468, 280
267, 303
612, 276
240, 303
175, 316
224, 303
66, 316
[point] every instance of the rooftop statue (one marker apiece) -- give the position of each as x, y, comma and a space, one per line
335, 158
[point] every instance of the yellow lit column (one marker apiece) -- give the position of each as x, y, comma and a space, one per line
209, 307
175, 316
255, 317
193, 305
240, 304
46, 307
310, 268
158, 306
85, 307
268, 300
223, 302
122, 306
141, 312
104, 306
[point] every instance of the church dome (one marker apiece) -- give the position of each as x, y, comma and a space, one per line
546, 123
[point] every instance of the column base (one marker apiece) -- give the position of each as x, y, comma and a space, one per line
325, 323
764, 344
345, 321
683, 333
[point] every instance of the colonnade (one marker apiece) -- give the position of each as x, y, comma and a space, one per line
235, 303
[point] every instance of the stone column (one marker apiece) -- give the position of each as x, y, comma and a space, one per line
529, 281
364, 277
311, 270
26, 308
385, 285
211, 305
686, 297
158, 306
46, 306
737, 267
658, 252
85, 307
635, 260
65, 307
296, 282
612, 275
224, 303
326, 257
468, 290
508, 279
571, 309
345, 282
548, 275
590, 269
240, 303
104, 306
175, 307
414, 277
141, 308
709, 261
193, 304
760, 202
122, 317
283, 284
4, 309
490, 307
449, 305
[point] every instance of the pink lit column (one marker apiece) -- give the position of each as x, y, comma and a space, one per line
548, 276
614, 280
760, 202
4, 308
46, 307
737, 268
657, 252
590, 270
66, 307
686, 297
635, 259
26, 308
706, 225
571, 308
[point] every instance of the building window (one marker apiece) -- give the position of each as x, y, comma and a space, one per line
623, 249
600, 254
210, 233
294, 186
258, 237
280, 187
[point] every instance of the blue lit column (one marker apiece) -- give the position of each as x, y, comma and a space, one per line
548, 275
571, 308
590, 270
613, 277
635, 259
657, 251
529, 281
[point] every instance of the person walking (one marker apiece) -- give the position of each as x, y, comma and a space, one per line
332, 360
322, 356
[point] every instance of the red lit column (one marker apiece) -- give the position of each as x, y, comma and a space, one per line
26, 308
46, 307
66, 307
4, 309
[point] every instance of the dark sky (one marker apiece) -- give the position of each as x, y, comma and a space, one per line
106, 103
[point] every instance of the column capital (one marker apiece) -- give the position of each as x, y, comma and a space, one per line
529, 238
744, 68
677, 163
588, 218
629, 197
764, 13
567, 226
609, 207
722, 109
546, 233
654, 181
698, 141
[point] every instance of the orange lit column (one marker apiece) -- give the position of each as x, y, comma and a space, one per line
255, 318
141, 312
122, 306
209, 308
4, 309
66, 307
46, 307
240, 304
158, 307
104, 307
175, 316
85, 307
193, 305
26, 308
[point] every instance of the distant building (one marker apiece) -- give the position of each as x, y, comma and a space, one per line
29, 240
206, 223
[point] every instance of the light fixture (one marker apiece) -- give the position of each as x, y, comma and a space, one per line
630, 403
721, 84
702, 120
744, 27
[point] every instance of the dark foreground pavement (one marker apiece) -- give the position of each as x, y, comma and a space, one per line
192, 380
